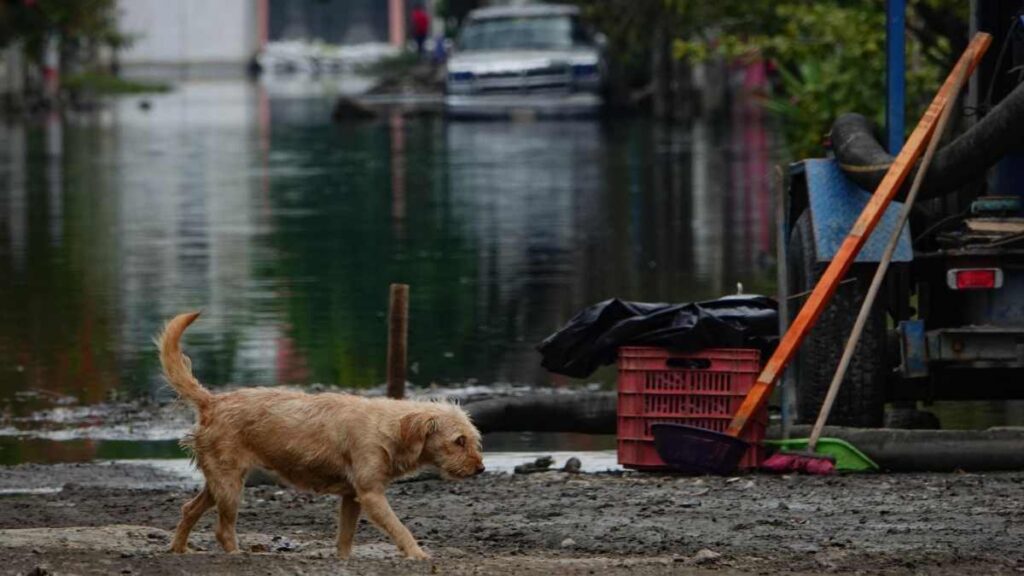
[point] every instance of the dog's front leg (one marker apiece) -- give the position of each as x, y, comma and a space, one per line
380, 513
348, 517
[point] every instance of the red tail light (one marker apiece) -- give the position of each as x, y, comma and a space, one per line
974, 278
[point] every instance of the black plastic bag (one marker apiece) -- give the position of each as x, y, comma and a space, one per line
592, 338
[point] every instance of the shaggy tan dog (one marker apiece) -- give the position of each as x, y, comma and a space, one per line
327, 443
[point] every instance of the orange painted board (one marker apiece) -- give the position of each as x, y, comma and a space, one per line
862, 229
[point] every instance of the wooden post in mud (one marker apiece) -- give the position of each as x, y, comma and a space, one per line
398, 332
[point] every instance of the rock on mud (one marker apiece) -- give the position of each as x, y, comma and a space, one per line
705, 556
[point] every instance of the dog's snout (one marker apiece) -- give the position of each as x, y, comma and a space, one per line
480, 469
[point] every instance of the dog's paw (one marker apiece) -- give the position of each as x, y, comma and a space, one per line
417, 554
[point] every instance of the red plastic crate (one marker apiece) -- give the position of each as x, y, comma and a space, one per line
702, 389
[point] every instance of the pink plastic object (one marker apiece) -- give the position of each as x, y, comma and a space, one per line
702, 389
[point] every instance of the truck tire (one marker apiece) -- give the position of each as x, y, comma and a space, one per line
861, 400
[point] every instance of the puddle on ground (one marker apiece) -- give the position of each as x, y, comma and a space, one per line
147, 473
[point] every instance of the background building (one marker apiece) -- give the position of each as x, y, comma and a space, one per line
230, 32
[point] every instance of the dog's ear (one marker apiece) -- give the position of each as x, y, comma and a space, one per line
414, 428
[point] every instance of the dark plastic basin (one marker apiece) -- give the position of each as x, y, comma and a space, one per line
696, 450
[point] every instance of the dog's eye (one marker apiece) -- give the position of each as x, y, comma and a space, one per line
461, 441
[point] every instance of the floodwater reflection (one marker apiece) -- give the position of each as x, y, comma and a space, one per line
287, 230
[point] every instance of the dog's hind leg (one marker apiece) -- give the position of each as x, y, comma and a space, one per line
190, 514
380, 513
227, 492
348, 518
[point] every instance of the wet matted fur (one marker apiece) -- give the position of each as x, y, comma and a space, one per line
327, 443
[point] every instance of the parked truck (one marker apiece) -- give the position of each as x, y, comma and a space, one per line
950, 322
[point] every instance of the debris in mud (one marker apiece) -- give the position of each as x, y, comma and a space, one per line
705, 556
282, 544
542, 464
572, 465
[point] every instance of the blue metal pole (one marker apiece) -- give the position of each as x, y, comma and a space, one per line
895, 73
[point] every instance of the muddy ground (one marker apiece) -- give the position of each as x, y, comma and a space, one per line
84, 520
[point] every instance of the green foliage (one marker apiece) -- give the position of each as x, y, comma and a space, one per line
830, 57
101, 83
78, 23
829, 54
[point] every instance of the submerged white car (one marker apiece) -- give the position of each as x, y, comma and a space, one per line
538, 59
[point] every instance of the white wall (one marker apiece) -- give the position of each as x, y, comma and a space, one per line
189, 31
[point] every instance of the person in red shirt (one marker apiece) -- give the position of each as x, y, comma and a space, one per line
420, 26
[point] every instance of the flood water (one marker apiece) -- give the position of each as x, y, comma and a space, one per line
287, 230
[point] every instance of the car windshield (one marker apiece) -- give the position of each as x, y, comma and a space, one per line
512, 33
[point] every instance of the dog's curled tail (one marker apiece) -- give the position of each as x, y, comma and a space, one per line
177, 366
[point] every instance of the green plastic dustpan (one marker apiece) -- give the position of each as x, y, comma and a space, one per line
848, 457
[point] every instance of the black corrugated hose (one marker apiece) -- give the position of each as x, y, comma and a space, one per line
965, 159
